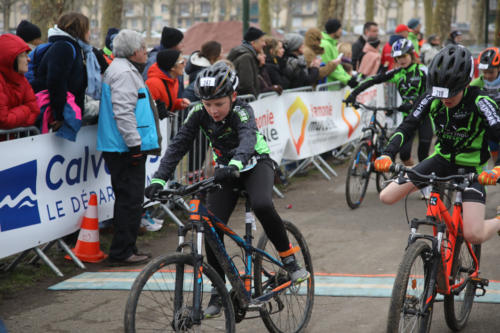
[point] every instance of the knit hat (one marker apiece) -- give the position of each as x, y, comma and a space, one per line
332, 25
112, 32
253, 34
166, 59
401, 28
293, 41
28, 31
171, 37
413, 23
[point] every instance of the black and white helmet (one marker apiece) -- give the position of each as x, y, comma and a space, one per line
400, 47
216, 81
450, 71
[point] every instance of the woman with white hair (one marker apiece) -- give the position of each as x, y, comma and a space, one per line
127, 132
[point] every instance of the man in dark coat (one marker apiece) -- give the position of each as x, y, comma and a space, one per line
246, 63
370, 32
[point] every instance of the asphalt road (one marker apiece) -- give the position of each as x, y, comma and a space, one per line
368, 240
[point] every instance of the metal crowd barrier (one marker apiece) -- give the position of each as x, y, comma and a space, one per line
334, 85
19, 132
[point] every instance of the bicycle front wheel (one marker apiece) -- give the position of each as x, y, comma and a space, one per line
457, 308
161, 298
410, 290
291, 310
358, 175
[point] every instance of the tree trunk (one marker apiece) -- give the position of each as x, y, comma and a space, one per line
111, 16
289, 15
348, 6
45, 13
6, 5
193, 12
399, 11
264, 16
428, 17
229, 8
323, 6
172, 21
148, 14
415, 8
370, 10
477, 24
497, 25
442, 18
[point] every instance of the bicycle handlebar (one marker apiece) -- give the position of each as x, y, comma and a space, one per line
398, 168
373, 108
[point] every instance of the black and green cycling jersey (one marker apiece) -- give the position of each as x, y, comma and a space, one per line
409, 81
461, 131
491, 91
234, 140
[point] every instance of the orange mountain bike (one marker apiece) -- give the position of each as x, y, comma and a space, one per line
439, 263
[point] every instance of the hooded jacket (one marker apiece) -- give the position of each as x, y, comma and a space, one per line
156, 83
331, 52
246, 64
18, 107
371, 60
194, 65
312, 49
60, 71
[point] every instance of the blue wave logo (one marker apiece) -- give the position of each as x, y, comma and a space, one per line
18, 203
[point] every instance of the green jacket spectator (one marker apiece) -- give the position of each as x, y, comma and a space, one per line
414, 25
329, 44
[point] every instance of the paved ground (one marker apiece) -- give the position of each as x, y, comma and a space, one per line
369, 240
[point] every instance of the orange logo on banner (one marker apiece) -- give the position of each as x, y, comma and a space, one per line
298, 105
351, 128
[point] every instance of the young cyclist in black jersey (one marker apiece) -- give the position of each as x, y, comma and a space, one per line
410, 78
489, 82
463, 117
230, 127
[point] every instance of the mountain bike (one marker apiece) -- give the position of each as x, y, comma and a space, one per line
360, 167
439, 263
172, 291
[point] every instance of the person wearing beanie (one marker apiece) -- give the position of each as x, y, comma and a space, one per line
18, 106
454, 38
246, 63
370, 31
107, 51
30, 33
430, 49
163, 82
414, 26
387, 60
296, 72
329, 41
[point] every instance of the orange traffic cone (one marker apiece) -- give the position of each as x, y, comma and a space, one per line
87, 247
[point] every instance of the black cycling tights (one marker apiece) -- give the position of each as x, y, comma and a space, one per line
258, 182
425, 134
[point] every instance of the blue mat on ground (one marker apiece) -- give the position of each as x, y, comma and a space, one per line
326, 285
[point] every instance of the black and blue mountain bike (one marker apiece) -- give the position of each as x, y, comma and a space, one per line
171, 292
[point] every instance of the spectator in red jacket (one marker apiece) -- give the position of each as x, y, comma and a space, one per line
163, 84
18, 107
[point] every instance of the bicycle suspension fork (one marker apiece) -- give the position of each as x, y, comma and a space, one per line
435, 261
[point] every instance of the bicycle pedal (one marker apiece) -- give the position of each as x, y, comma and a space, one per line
480, 283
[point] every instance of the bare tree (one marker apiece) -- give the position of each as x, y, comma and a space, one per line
111, 16
330, 9
172, 21
264, 16
497, 25
428, 17
291, 7
323, 6
147, 17
386, 6
399, 10
442, 18
369, 10
45, 13
477, 24
6, 9
228, 9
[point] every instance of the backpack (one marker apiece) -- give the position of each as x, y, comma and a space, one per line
36, 56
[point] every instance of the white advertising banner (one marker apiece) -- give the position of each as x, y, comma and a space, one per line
45, 186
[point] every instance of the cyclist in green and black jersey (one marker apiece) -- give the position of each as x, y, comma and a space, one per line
489, 81
464, 118
410, 78
230, 127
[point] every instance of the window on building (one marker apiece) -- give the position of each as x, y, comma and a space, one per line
184, 9
164, 8
205, 8
135, 23
129, 9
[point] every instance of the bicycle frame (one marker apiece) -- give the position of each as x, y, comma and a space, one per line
205, 222
440, 219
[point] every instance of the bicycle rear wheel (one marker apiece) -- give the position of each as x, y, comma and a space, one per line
457, 308
291, 310
358, 175
154, 304
409, 291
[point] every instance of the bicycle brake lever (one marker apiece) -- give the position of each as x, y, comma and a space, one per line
474, 190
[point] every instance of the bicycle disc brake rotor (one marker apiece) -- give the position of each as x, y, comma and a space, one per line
239, 312
182, 320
